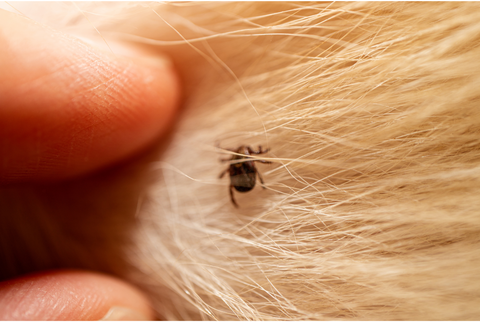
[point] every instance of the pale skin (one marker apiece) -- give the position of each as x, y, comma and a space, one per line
67, 109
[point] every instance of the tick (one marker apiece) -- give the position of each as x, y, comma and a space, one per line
243, 173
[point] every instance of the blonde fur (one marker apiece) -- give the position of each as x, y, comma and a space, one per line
372, 206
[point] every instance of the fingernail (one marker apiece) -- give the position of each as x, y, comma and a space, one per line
118, 313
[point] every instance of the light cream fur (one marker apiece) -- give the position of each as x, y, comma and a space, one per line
372, 206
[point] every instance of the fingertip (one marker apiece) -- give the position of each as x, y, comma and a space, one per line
67, 108
72, 295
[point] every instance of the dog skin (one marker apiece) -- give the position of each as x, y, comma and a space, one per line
371, 208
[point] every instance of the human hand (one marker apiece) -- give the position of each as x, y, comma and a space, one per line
67, 109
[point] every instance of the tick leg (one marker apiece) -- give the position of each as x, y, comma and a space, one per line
261, 180
231, 150
232, 198
223, 173
260, 151
263, 161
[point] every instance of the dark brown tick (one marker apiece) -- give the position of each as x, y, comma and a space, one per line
243, 173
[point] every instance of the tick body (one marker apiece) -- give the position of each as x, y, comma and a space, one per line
242, 170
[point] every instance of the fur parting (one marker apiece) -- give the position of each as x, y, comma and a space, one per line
371, 112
